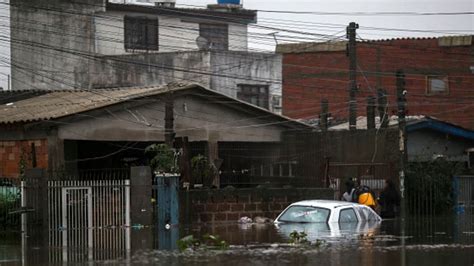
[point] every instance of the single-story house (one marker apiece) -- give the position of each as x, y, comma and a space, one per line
77, 130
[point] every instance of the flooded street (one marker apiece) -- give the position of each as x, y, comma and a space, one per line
428, 241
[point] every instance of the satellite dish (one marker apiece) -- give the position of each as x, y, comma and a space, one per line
202, 43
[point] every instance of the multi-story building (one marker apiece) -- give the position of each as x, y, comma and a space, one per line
439, 77
83, 44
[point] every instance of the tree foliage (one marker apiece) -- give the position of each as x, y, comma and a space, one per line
429, 186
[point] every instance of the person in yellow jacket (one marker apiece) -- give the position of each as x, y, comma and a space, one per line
364, 195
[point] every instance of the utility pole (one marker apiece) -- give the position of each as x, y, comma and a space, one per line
351, 53
371, 112
169, 120
401, 102
323, 118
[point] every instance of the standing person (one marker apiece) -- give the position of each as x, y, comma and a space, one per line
348, 194
364, 195
389, 200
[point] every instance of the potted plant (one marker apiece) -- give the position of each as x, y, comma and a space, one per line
163, 159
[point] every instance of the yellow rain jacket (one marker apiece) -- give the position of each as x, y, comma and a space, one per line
367, 199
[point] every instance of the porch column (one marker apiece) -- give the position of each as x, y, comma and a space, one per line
55, 151
213, 158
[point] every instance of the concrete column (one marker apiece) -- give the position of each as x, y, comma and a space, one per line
141, 209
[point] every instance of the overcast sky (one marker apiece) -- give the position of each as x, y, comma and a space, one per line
324, 24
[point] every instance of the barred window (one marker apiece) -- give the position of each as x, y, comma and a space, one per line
141, 33
254, 94
437, 85
217, 35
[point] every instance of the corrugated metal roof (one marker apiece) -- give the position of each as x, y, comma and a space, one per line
56, 104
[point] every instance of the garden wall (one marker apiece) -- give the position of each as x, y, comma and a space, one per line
228, 205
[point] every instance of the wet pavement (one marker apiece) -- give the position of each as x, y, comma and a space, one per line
426, 241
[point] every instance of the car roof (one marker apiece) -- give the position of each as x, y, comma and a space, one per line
331, 204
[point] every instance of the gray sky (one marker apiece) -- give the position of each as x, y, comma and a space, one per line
324, 24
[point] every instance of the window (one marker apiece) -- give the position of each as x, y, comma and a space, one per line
217, 35
437, 85
254, 94
305, 214
141, 33
367, 214
348, 216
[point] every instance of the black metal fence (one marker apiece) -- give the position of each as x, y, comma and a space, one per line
10, 203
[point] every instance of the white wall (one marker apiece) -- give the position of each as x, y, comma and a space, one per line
175, 34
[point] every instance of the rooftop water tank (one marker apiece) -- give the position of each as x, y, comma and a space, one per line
227, 2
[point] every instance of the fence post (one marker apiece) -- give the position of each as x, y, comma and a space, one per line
37, 222
141, 211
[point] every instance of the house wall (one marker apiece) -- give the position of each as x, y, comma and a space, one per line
218, 70
174, 33
232, 69
50, 39
310, 77
17, 154
195, 117
424, 145
147, 69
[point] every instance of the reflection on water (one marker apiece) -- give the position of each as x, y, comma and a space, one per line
428, 242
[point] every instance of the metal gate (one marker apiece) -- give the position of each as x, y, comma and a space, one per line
89, 220
464, 193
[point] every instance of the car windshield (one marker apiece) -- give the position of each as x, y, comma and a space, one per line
305, 214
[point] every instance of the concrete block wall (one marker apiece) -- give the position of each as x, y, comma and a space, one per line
11, 153
228, 205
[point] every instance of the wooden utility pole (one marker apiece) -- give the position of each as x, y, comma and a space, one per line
351, 53
169, 120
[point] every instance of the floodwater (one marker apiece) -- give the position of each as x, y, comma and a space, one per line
425, 241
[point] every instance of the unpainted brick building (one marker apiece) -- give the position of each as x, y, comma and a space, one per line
439, 77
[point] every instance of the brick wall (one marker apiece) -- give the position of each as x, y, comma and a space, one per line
312, 76
11, 153
228, 205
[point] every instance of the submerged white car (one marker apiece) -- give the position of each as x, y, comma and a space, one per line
327, 211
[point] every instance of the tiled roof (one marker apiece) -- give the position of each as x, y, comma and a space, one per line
56, 104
